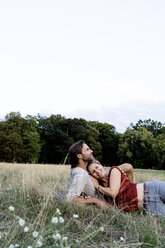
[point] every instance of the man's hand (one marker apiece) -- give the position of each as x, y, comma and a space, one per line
128, 170
90, 200
101, 204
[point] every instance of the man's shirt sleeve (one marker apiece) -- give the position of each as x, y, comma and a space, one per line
77, 186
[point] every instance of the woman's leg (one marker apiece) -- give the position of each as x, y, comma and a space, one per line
156, 198
162, 191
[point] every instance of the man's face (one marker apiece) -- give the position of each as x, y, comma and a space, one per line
87, 153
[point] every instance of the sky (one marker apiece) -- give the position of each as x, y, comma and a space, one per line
100, 60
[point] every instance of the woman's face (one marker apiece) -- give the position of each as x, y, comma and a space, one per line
96, 170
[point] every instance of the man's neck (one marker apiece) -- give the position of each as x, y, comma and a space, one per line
82, 165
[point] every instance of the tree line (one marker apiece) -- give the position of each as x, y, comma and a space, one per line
40, 139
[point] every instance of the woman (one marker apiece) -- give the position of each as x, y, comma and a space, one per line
148, 197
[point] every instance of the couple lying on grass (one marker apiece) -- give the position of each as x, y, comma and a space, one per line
113, 188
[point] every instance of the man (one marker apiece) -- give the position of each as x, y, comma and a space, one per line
81, 184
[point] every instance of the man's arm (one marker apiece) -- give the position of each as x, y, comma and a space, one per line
80, 184
90, 200
77, 185
128, 169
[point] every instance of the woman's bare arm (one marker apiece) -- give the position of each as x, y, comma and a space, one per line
115, 183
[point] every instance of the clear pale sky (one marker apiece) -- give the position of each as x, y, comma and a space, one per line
98, 60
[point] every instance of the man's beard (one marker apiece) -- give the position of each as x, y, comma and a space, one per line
87, 160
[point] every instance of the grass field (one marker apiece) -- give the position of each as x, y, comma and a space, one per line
30, 215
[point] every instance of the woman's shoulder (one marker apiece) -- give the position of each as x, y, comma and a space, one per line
115, 167
119, 169
112, 168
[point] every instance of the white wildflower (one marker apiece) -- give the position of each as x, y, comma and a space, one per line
65, 238
54, 220
17, 245
29, 246
39, 243
11, 246
122, 239
11, 208
56, 236
75, 216
101, 229
58, 211
35, 234
61, 220
21, 222
26, 229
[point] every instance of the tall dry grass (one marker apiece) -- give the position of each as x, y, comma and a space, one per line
45, 178
30, 189
46, 175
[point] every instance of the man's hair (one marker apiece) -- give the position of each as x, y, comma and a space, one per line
74, 150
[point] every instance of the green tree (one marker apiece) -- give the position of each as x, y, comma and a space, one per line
93, 141
51, 138
108, 139
72, 130
11, 144
19, 140
135, 147
31, 140
155, 127
159, 151
58, 134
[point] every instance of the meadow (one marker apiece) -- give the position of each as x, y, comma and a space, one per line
34, 213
